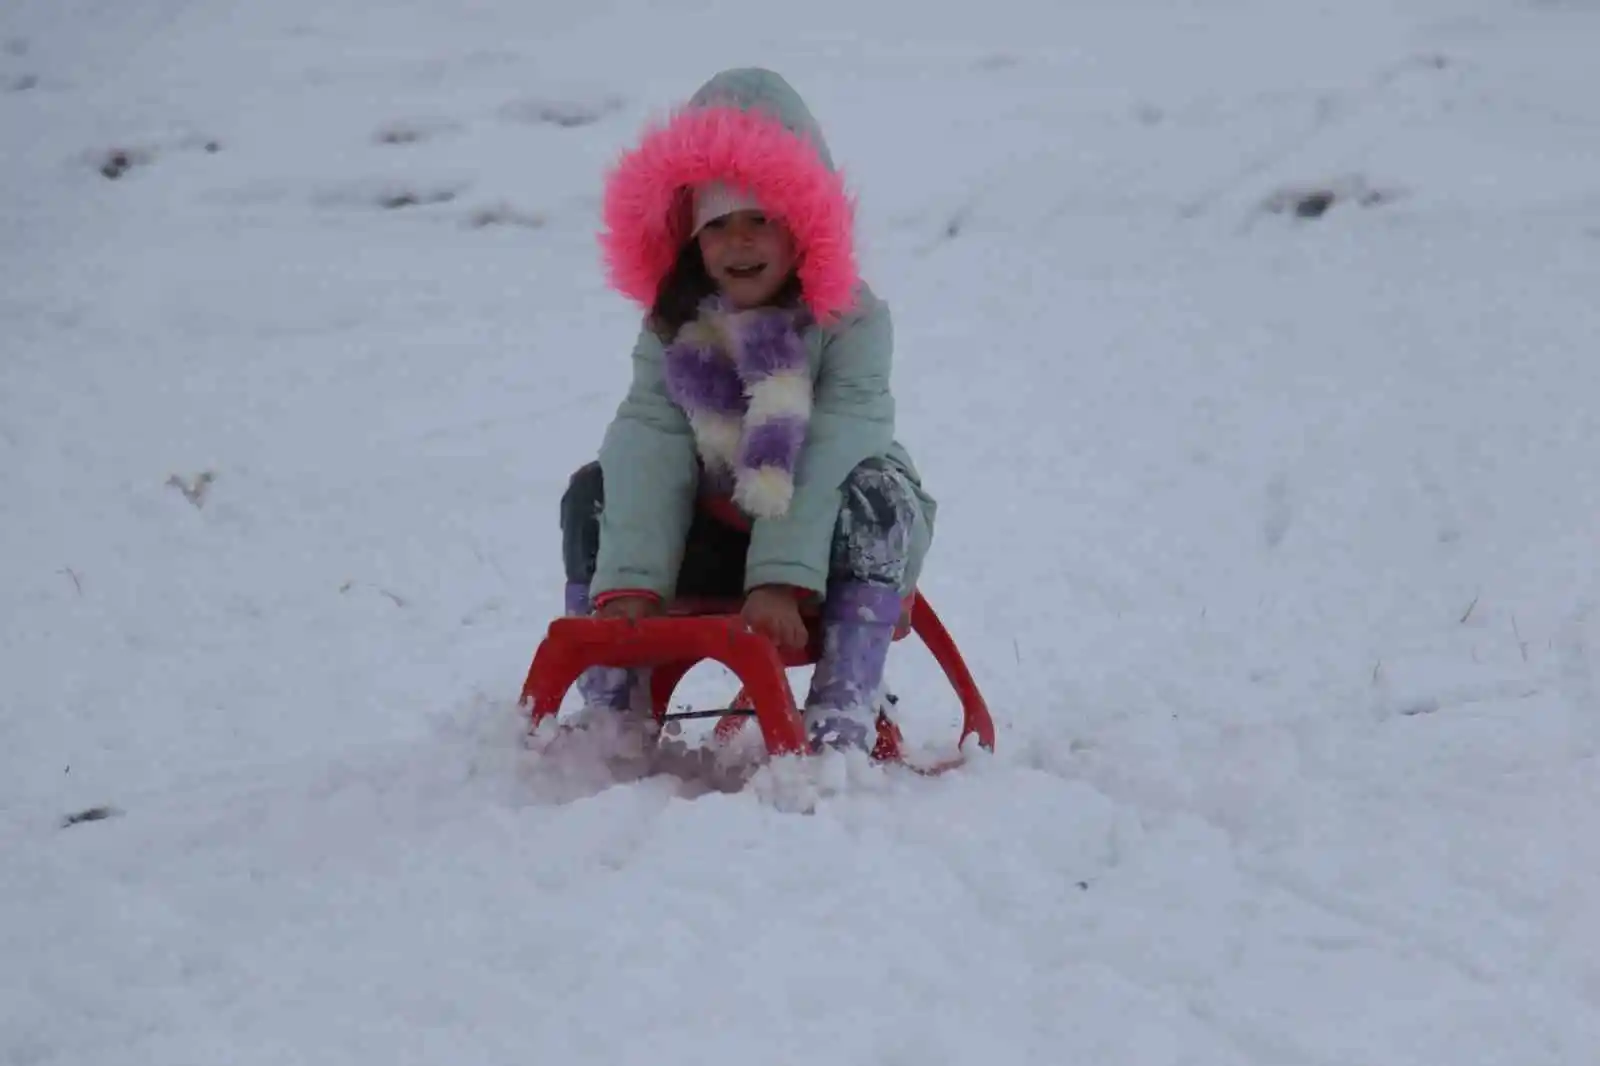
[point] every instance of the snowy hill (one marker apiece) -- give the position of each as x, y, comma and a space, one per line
1250, 349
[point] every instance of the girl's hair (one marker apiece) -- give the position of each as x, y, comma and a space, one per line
688, 283
681, 291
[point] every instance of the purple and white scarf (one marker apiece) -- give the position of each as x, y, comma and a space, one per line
743, 378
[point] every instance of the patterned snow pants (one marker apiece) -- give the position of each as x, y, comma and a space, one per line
871, 541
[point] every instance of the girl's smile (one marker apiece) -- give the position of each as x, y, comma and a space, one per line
748, 255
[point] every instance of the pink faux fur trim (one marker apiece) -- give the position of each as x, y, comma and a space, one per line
646, 216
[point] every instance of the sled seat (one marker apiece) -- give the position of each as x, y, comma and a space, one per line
810, 613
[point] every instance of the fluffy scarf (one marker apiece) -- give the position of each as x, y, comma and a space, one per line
743, 378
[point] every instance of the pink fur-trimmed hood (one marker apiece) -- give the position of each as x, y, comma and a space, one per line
749, 128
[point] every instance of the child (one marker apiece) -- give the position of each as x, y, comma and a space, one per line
761, 374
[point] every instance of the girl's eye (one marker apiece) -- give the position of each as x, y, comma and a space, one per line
758, 219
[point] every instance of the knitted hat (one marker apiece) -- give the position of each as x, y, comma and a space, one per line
718, 199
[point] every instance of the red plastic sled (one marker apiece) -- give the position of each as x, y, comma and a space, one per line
693, 631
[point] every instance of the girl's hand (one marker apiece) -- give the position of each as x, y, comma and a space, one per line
772, 611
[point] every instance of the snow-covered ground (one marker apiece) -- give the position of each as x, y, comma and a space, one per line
1271, 538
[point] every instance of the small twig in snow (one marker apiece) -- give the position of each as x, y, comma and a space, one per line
393, 598
1470, 608
1522, 645
194, 491
73, 574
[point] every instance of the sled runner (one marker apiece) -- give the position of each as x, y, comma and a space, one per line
691, 631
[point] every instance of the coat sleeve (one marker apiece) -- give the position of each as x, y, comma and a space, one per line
650, 473
852, 419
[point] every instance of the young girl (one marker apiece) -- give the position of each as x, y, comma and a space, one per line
761, 374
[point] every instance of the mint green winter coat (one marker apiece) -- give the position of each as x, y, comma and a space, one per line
649, 457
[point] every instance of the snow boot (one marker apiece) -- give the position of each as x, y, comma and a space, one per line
616, 696
858, 621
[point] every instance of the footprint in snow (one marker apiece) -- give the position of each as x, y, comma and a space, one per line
1316, 199
114, 162
564, 113
505, 215
387, 194
92, 814
413, 131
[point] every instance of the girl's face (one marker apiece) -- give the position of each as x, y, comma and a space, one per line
748, 255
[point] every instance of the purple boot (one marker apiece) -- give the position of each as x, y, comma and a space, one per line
609, 688
858, 623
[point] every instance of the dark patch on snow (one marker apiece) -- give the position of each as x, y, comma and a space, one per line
408, 198
119, 161
505, 215
198, 142
399, 135
1148, 114
1279, 516
956, 224
116, 162
91, 814
566, 114
411, 131
1316, 200
24, 83
999, 61
388, 195
194, 489
1313, 205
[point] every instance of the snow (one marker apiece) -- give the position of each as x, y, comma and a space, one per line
1270, 539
